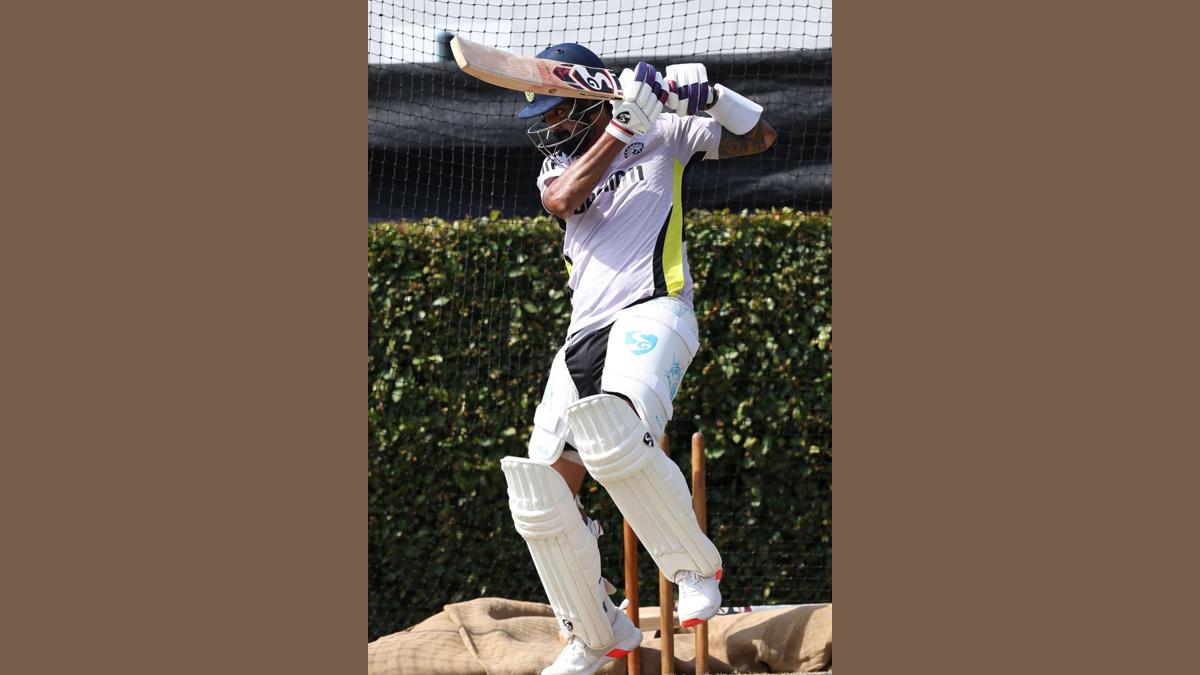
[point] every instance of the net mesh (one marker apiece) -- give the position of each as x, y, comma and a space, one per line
441, 143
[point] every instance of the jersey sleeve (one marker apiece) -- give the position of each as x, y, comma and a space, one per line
696, 134
549, 171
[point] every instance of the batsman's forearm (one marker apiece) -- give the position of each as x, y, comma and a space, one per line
566, 193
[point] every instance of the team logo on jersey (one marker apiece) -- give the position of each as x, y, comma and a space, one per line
642, 343
634, 149
588, 79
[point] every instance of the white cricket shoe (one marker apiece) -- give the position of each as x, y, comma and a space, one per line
699, 597
579, 659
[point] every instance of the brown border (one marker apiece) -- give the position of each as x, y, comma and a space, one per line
991, 432
185, 338
184, 430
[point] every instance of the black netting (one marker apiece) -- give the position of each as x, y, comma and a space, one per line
442, 143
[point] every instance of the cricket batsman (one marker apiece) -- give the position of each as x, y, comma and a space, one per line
613, 176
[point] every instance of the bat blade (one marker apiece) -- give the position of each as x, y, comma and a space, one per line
540, 76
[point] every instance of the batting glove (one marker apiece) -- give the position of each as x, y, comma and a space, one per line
688, 89
643, 94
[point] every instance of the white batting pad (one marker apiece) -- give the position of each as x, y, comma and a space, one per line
564, 550
649, 349
619, 451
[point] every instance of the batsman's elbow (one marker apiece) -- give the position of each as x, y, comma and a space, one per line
757, 140
762, 135
555, 201
556, 207
768, 135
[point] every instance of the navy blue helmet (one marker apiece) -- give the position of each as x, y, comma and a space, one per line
567, 52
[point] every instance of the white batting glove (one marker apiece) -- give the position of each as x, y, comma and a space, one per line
643, 94
688, 88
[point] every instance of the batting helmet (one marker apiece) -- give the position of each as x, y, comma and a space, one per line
567, 52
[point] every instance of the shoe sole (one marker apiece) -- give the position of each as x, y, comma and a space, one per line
634, 641
617, 652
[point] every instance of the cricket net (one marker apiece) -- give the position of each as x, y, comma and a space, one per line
467, 299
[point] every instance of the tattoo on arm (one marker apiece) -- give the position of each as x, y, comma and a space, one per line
761, 137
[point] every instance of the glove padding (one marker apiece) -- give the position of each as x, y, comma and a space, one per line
643, 94
688, 88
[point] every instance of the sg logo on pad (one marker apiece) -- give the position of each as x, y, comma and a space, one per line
642, 342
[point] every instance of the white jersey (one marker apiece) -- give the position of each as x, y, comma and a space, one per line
625, 243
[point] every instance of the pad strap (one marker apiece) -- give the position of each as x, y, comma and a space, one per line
548, 436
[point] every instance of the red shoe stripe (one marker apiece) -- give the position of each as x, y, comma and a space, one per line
693, 622
618, 653
719, 573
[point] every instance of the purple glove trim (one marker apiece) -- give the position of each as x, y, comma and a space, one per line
696, 95
644, 72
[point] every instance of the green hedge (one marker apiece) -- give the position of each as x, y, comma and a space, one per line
465, 317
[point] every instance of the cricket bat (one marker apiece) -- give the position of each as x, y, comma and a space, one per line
533, 75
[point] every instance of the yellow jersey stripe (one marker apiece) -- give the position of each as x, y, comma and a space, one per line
672, 253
